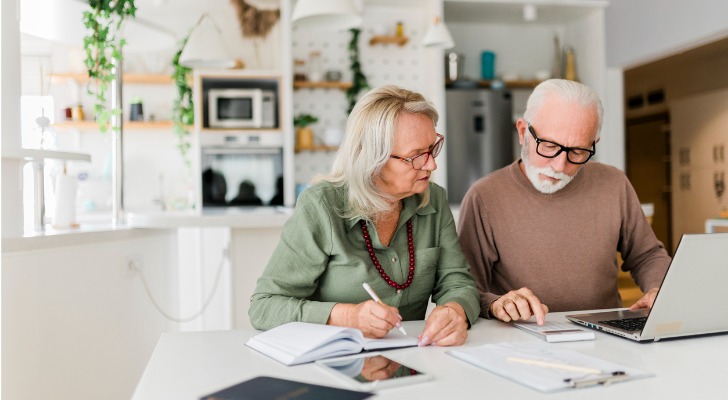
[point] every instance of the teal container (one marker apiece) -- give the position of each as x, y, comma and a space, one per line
487, 65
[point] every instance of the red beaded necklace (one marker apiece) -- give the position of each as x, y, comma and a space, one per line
378, 266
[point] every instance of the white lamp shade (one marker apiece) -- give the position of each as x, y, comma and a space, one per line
438, 36
326, 15
205, 47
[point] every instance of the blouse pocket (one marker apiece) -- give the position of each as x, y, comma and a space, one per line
423, 283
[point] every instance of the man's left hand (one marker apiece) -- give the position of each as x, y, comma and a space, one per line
646, 301
447, 325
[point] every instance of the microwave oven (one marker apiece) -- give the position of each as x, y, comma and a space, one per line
241, 108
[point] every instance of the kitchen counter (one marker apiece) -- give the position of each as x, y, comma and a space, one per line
254, 217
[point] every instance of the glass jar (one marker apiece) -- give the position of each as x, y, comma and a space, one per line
299, 70
315, 73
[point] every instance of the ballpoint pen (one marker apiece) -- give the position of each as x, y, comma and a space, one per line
378, 300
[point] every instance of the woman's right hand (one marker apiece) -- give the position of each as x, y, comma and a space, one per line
374, 319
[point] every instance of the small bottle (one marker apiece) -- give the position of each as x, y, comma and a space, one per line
399, 29
299, 70
77, 113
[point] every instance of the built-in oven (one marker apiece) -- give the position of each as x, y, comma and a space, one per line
242, 170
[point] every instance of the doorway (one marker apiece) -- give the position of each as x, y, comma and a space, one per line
648, 168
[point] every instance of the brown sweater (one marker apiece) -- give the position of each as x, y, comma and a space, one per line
563, 245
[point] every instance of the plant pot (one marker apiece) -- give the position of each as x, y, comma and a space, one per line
304, 138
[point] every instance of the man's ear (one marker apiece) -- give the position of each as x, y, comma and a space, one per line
521, 127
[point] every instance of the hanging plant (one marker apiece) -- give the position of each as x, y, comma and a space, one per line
103, 44
183, 114
358, 79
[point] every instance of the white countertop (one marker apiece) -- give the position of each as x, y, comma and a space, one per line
231, 217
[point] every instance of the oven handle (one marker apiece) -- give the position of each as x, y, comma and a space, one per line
241, 151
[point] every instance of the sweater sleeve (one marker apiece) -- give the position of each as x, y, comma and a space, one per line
454, 281
292, 273
478, 246
644, 256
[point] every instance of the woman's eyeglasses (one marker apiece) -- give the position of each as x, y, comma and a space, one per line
419, 161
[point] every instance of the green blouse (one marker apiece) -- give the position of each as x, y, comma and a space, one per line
322, 260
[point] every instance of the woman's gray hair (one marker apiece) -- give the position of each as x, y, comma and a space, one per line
567, 90
367, 145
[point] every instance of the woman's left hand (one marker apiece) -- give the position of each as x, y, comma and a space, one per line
447, 325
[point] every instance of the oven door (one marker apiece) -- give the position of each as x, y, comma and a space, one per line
242, 176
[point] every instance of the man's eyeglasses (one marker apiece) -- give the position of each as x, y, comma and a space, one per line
548, 149
420, 160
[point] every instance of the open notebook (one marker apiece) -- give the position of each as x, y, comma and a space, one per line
693, 286
302, 342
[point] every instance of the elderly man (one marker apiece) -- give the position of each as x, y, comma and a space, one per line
541, 234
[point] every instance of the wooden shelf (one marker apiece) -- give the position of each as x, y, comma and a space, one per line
317, 148
128, 125
321, 85
518, 84
398, 40
142, 79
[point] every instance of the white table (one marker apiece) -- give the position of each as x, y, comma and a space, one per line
190, 365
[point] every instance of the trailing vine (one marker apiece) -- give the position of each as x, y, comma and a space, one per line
358, 79
183, 114
103, 44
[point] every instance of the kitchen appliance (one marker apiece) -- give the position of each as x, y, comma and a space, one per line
243, 169
479, 137
241, 108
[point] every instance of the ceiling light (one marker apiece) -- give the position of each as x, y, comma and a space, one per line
438, 35
205, 47
326, 14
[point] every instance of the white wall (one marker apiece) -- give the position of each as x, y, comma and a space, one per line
77, 324
639, 31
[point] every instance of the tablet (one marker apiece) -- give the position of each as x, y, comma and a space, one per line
372, 371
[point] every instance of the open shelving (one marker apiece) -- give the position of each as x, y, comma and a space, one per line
398, 40
130, 78
321, 85
128, 125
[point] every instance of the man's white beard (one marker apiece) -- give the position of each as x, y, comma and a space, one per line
543, 186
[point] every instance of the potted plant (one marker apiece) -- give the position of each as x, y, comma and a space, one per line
304, 134
183, 114
103, 44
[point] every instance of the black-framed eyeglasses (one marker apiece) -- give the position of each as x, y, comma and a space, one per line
549, 149
419, 161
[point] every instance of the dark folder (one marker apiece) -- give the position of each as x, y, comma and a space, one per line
268, 388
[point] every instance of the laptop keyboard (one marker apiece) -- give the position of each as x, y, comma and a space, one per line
627, 324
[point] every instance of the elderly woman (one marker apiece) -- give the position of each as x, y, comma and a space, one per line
376, 219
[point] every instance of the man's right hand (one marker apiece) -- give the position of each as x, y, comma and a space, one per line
519, 304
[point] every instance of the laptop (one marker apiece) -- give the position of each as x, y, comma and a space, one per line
690, 301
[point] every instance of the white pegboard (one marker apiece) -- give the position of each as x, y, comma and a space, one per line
382, 64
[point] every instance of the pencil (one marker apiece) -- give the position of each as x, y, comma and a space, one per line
376, 298
546, 364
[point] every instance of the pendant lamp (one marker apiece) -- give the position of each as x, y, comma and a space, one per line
326, 15
205, 47
438, 35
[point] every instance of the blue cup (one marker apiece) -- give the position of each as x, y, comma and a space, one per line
487, 65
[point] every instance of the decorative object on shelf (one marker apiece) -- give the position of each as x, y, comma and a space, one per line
77, 113
333, 136
299, 70
438, 35
333, 75
399, 29
136, 112
487, 65
183, 114
255, 23
304, 134
103, 45
454, 65
326, 14
570, 67
358, 79
205, 46
314, 67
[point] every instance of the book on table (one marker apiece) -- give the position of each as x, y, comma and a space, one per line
301, 342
